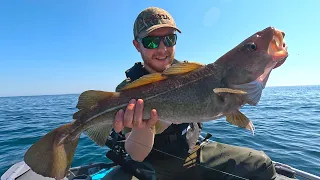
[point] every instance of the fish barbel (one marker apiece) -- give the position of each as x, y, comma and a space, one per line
184, 93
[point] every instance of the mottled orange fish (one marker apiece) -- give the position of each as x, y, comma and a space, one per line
184, 93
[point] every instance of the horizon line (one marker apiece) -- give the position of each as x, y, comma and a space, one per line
74, 93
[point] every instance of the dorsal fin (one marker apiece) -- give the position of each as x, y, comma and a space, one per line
181, 68
146, 79
90, 98
175, 69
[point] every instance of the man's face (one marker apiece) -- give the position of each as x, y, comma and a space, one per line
157, 60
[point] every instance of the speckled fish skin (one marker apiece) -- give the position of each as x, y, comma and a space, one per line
189, 97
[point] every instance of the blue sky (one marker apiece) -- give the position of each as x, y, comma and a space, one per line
57, 47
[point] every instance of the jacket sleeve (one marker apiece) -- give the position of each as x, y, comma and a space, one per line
122, 84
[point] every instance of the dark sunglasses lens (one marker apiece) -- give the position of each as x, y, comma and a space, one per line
151, 42
170, 40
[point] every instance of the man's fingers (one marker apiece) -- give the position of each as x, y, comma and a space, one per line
153, 118
137, 119
118, 121
128, 115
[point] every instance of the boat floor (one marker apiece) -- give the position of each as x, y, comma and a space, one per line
96, 171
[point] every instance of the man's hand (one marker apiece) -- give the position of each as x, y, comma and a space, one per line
132, 117
140, 140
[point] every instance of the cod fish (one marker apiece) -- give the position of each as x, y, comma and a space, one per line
184, 93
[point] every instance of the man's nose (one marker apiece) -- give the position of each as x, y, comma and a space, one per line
162, 47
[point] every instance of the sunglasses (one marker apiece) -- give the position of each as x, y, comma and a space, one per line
153, 42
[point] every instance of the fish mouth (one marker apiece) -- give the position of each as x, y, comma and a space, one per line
277, 47
278, 50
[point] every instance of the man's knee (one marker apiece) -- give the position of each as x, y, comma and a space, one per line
238, 160
263, 168
261, 159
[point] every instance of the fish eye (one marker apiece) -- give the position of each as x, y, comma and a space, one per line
251, 46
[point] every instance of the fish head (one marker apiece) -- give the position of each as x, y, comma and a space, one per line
249, 64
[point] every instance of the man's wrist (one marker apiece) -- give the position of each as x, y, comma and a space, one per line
139, 143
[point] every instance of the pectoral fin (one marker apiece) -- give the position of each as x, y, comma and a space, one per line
240, 120
228, 90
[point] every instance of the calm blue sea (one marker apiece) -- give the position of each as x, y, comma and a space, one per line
287, 122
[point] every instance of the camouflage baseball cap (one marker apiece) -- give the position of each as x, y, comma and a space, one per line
151, 19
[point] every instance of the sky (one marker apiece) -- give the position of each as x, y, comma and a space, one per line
61, 47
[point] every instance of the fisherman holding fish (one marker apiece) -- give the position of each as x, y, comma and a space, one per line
175, 153
152, 123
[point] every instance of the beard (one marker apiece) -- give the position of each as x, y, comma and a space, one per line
158, 65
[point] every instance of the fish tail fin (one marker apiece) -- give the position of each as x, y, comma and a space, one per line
240, 120
51, 156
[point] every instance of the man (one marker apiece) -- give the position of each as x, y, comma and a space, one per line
175, 153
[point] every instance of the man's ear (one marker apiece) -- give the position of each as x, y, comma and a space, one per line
136, 45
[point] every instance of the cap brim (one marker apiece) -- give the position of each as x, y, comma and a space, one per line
152, 28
